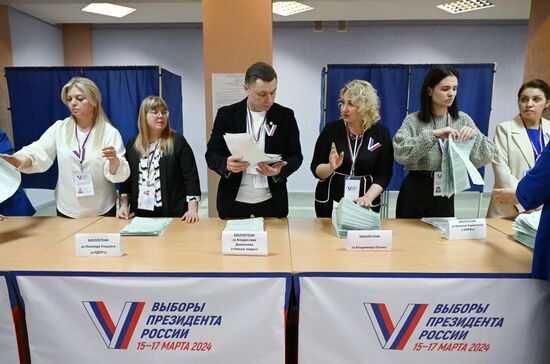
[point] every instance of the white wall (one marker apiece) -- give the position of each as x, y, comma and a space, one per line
298, 56
33, 42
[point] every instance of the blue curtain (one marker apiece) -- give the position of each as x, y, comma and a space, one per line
172, 94
399, 88
122, 90
36, 103
391, 83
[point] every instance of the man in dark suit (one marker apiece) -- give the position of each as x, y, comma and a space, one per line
260, 190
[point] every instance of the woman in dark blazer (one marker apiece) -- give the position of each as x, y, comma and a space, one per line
353, 156
164, 181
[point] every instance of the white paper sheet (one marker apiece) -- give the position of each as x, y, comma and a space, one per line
11, 179
242, 145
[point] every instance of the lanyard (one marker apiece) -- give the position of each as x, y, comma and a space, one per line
439, 141
255, 136
536, 153
150, 163
81, 153
355, 152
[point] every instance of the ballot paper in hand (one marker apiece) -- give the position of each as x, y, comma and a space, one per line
525, 228
146, 226
350, 216
243, 145
11, 179
456, 167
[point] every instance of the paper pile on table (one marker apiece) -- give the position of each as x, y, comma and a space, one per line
254, 224
440, 223
456, 167
525, 228
146, 226
350, 216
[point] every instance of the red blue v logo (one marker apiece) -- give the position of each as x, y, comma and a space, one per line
394, 337
115, 336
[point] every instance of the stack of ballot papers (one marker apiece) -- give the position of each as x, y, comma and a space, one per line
255, 224
243, 145
440, 223
525, 228
146, 226
10, 177
456, 167
350, 216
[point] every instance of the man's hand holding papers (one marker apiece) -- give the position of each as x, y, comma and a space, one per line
244, 150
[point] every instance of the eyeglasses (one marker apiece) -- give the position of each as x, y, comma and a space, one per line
157, 113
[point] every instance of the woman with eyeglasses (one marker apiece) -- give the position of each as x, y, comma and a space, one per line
164, 181
89, 153
353, 156
519, 143
418, 145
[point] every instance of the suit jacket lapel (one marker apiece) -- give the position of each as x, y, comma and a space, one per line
271, 124
520, 137
241, 117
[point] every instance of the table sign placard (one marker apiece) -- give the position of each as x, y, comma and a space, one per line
244, 242
460, 229
88, 245
370, 240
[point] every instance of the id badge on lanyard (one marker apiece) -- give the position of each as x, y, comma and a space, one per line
146, 198
438, 183
352, 184
83, 184
352, 187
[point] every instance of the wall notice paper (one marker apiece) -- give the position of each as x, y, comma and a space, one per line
456, 167
146, 226
11, 179
227, 89
243, 145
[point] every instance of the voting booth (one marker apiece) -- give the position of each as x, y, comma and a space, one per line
398, 87
35, 102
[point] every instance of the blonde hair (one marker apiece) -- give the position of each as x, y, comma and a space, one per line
141, 145
90, 90
364, 97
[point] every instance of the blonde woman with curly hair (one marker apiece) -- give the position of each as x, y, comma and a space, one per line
353, 156
89, 153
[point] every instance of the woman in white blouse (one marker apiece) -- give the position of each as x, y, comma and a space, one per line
89, 152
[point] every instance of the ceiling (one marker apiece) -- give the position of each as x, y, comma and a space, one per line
189, 11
